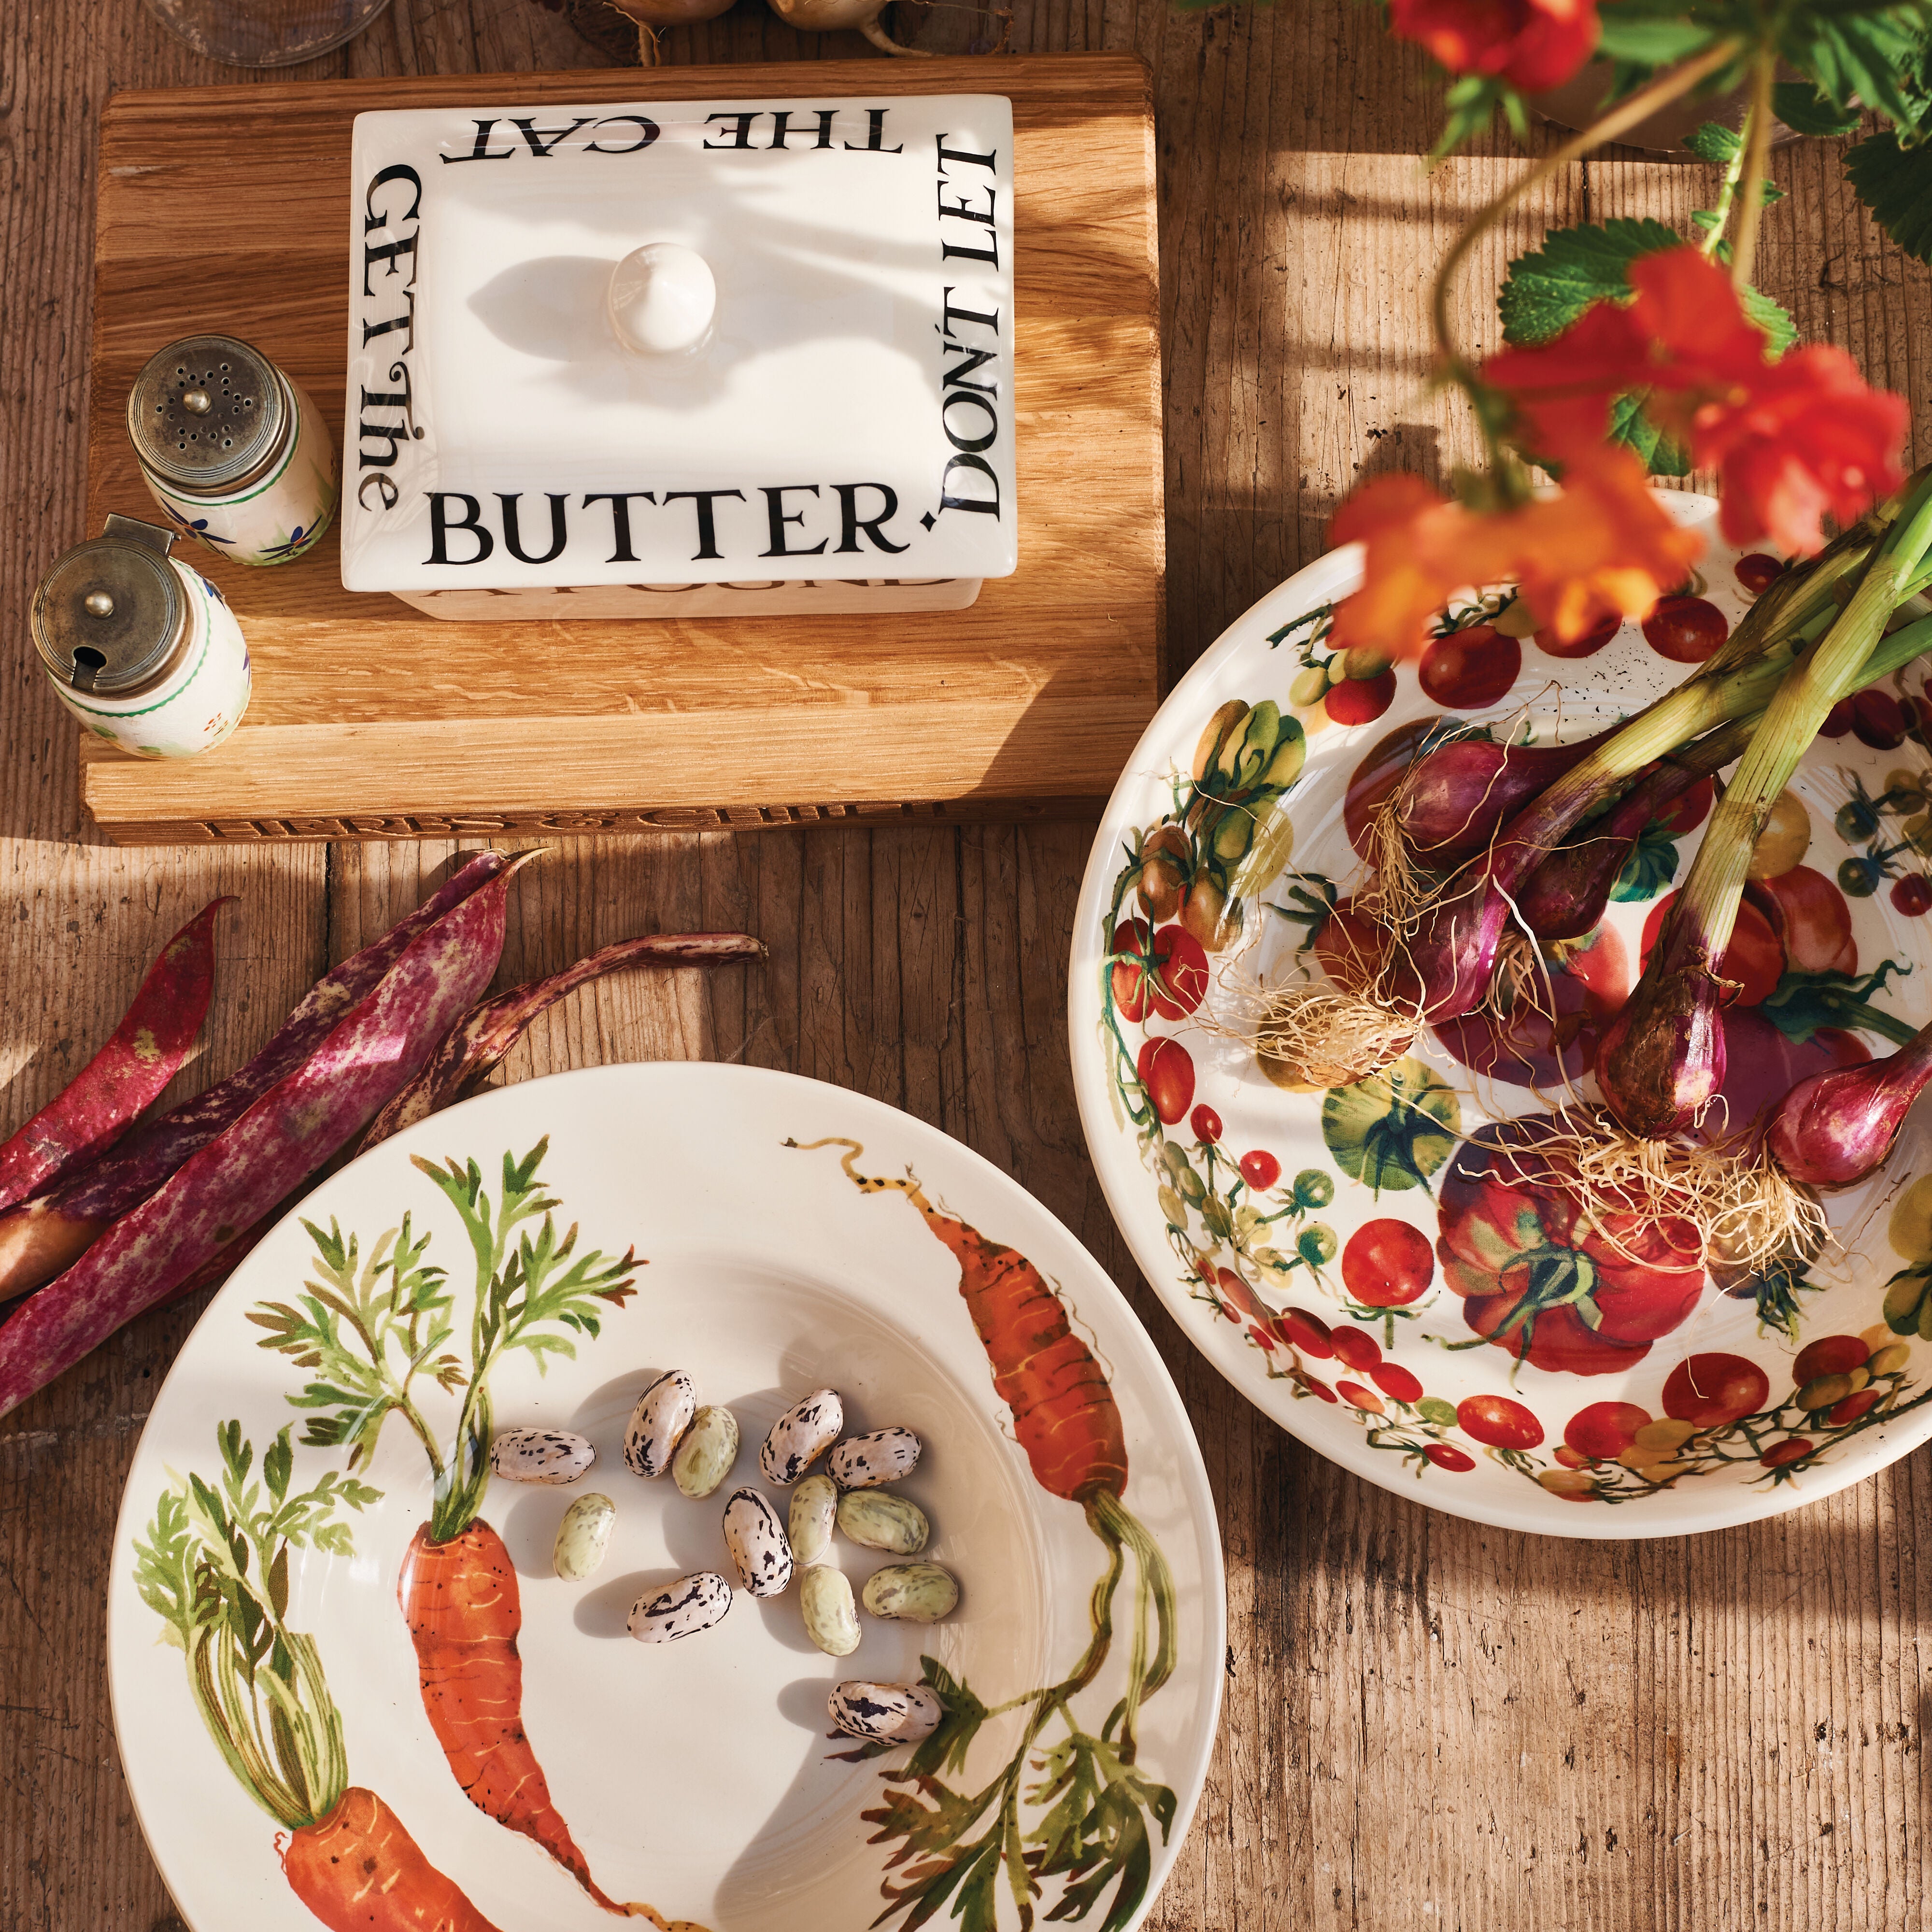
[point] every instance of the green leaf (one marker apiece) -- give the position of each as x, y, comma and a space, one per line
1805, 111
1546, 289
1895, 184
1803, 1002
1470, 102
1855, 56
1715, 143
1630, 426
1651, 42
1770, 317
1651, 865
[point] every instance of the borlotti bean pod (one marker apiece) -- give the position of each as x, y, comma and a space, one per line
681, 358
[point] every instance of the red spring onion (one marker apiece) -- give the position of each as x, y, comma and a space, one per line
222, 1190
1454, 798
39, 1237
1565, 897
1837, 1127
144, 1054
1661, 1061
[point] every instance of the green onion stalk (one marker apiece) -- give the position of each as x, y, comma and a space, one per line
1662, 1061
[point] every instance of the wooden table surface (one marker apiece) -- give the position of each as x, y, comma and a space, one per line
1428, 1724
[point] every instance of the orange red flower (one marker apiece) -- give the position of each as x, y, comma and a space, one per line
1532, 44
1792, 438
1601, 545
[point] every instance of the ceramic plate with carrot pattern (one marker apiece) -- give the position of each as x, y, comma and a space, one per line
1396, 1267
351, 1690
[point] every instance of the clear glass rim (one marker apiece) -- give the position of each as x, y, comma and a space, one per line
188, 20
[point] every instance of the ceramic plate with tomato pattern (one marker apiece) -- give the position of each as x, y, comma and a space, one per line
1367, 1264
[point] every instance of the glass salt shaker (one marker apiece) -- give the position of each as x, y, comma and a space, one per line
232, 450
143, 650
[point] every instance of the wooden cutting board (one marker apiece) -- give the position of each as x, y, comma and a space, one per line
369, 720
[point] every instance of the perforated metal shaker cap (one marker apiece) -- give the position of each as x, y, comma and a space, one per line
207, 413
109, 615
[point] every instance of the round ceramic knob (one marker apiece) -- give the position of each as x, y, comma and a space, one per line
662, 299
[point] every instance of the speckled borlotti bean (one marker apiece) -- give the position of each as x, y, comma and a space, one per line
919, 1593
756, 1539
831, 1621
705, 1456
865, 1462
815, 1509
691, 1604
584, 1536
540, 1455
904, 1713
663, 1413
801, 1435
884, 1522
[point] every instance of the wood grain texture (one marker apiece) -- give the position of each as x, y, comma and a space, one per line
1429, 1727
364, 710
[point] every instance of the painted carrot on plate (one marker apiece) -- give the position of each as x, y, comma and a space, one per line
142, 1055
1067, 1421
224, 1189
458, 1589
213, 1567
40, 1237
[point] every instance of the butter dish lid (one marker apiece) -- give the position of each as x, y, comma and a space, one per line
677, 341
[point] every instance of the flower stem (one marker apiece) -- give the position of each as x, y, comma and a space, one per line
1619, 120
1757, 146
1721, 215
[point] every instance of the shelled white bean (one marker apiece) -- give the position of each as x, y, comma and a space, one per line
904, 1713
801, 1435
583, 1537
814, 1510
756, 1540
682, 1608
865, 1462
825, 1599
663, 1412
705, 1456
552, 1456
877, 1521
920, 1593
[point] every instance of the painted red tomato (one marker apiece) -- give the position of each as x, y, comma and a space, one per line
1378, 774
1879, 720
1359, 1349
1395, 1382
1602, 966
1241, 1302
1357, 1396
1308, 1333
1167, 1071
1838, 720
1360, 700
1315, 1385
1811, 917
1387, 1264
1710, 1390
1686, 630
1829, 1355
1757, 572
1912, 895
1180, 980
1498, 1421
1851, 1408
1447, 1456
1539, 1277
1763, 1063
1592, 640
1130, 941
1206, 1125
1260, 1169
1603, 1430
1754, 958
1469, 670
1689, 811
1788, 1450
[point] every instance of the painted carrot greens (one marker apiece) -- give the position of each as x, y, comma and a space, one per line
213, 1567
374, 1329
964, 1850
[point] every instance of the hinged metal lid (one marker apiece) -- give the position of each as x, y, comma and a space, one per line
206, 413
108, 615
